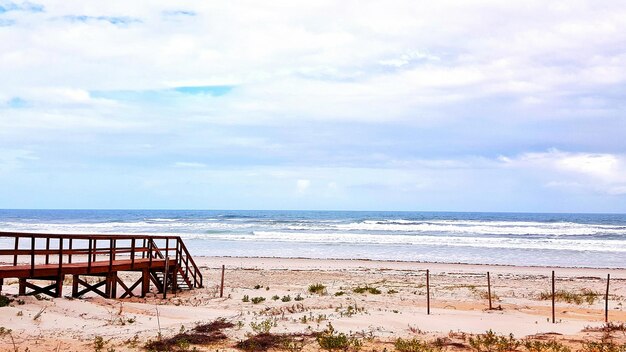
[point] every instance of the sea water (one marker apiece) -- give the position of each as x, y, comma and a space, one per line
572, 240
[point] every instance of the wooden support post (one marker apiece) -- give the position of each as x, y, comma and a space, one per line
75, 286
59, 286
1, 283
145, 279
175, 279
114, 284
427, 291
553, 299
489, 290
222, 284
606, 299
166, 273
22, 287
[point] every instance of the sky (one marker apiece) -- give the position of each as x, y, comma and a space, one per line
333, 105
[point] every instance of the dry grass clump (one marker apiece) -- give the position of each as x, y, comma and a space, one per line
585, 295
266, 341
204, 334
607, 328
216, 325
366, 289
317, 289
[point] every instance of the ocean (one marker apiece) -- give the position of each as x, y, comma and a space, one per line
570, 240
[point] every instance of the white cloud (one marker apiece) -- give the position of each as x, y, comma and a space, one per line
193, 165
601, 172
303, 185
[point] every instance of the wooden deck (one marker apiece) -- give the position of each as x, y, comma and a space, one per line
161, 260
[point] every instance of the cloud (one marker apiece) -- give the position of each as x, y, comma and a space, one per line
600, 172
115, 20
184, 164
8, 6
303, 185
419, 97
12, 159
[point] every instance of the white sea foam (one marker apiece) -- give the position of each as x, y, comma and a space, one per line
454, 241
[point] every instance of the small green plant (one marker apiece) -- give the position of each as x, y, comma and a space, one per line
415, 345
286, 298
366, 289
257, 300
256, 287
245, 298
263, 327
133, 342
275, 297
298, 298
544, 346
339, 293
317, 289
5, 301
392, 291
98, 343
491, 342
602, 346
331, 340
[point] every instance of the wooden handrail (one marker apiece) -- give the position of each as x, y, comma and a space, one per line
90, 248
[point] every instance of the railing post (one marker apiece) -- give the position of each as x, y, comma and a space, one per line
89, 258
167, 247
47, 249
150, 253
132, 253
60, 255
69, 255
32, 255
17, 246
110, 254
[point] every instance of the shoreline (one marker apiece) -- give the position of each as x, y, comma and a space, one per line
421, 265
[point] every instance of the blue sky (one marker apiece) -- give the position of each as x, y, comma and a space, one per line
472, 106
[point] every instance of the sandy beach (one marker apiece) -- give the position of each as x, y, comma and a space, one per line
392, 306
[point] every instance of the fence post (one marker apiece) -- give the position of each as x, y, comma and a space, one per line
553, 298
606, 299
427, 291
489, 290
222, 284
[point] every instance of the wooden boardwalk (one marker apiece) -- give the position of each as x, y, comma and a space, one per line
163, 261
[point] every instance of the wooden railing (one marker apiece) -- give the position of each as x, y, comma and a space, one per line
35, 249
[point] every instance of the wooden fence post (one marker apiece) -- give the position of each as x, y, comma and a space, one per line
427, 292
553, 298
489, 290
222, 284
606, 299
